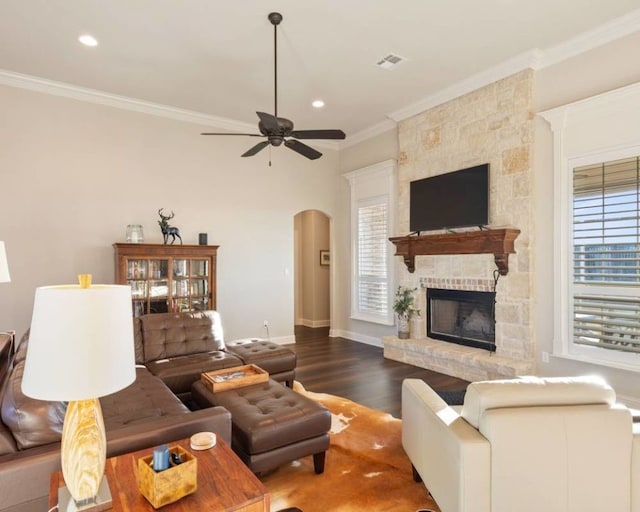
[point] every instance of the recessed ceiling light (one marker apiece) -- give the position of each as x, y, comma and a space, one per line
317, 104
88, 40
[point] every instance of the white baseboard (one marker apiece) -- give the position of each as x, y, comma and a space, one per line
280, 340
284, 340
369, 340
314, 323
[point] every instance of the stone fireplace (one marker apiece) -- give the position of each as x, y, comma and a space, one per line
492, 124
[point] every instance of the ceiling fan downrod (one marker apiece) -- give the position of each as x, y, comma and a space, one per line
275, 18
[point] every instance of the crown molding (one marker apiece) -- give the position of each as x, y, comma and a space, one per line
535, 59
368, 133
604, 34
46, 86
530, 59
43, 85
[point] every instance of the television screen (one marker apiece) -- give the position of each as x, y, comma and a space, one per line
453, 200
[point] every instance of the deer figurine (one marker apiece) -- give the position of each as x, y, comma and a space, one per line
166, 229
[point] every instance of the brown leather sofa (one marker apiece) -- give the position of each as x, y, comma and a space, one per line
144, 414
178, 347
172, 350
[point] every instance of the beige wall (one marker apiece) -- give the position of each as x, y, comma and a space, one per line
312, 287
371, 151
603, 69
74, 174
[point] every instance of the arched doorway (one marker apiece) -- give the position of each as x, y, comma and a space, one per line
312, 264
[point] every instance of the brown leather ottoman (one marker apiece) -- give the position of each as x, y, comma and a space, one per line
271, 424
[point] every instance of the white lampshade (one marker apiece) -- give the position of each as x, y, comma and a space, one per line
81, 343
4, 265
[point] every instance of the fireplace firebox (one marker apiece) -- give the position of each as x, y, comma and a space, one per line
462, 317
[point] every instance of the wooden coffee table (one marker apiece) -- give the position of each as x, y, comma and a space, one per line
224, 483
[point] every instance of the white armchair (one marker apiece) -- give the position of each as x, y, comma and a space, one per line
524, 445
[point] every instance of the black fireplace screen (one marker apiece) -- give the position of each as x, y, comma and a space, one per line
462, 317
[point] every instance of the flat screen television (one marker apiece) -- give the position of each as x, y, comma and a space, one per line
452, 200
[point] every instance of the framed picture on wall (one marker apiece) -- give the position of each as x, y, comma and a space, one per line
325, 258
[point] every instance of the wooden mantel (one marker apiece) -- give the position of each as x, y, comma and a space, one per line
498, 242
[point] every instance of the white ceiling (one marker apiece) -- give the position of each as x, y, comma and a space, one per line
215, 57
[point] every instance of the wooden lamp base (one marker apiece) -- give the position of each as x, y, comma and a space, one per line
83, 456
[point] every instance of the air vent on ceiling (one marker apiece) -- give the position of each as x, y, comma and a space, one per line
390, 61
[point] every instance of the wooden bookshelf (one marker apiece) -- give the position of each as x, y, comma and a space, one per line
167, 278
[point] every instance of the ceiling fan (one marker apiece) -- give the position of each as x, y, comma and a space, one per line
279, 130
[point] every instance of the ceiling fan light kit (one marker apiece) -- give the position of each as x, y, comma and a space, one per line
279, 130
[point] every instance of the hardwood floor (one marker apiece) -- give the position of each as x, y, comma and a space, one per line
358, 371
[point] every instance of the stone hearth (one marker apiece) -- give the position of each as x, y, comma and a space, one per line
466, 363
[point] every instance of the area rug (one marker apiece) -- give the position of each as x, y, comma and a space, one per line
366, 468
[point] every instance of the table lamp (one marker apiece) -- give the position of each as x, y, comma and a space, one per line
80, 348
6, 278
4, 266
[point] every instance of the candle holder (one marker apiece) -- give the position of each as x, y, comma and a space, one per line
135, 234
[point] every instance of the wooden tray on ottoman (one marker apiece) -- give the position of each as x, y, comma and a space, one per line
236, 377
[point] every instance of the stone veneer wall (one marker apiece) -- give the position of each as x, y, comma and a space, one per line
494, 124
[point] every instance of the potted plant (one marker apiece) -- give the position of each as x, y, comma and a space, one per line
403, 306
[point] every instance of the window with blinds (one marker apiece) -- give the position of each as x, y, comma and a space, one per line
372, 284
606, 255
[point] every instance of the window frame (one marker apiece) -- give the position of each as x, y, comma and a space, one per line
601, 128
371, 185
564, 259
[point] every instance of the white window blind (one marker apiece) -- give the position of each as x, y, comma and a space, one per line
606, 255
373, 286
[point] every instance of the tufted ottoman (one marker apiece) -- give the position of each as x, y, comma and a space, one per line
276, 360
271, 424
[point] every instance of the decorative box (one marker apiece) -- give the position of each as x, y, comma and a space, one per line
236, 377
164, 487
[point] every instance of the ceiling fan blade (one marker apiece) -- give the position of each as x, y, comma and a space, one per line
270, 122
303, 149
318, 134
258, 147
244, 134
